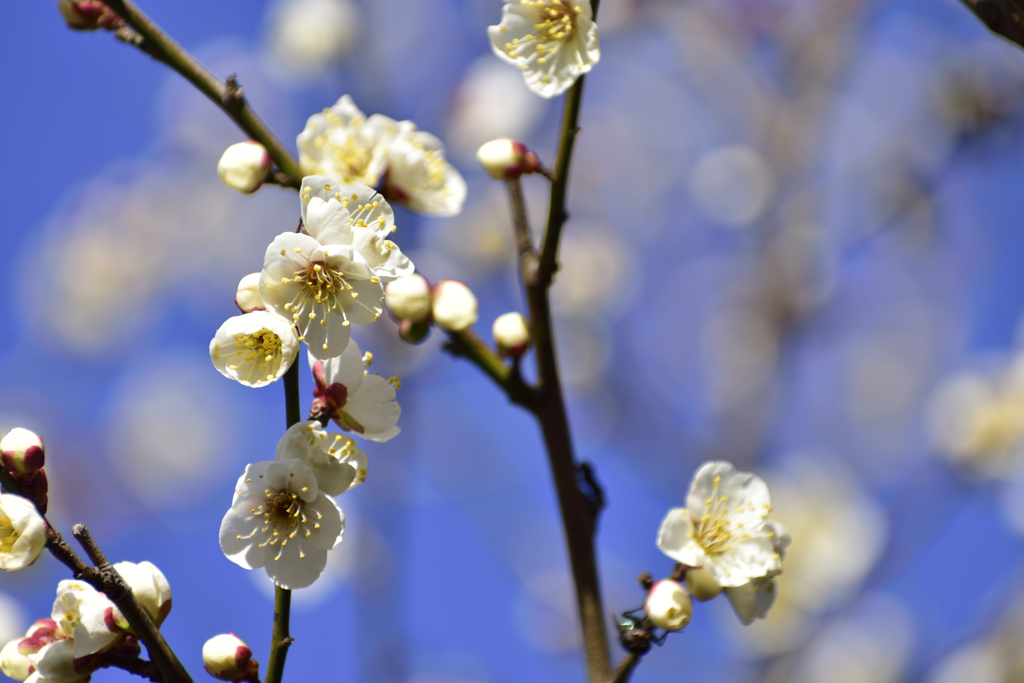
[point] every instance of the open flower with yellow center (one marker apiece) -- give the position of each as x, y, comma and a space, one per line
353, 149
333, 274
86, 616
553, 42
358, 402
22, 532
280, 520
723, 527
335, 461
254, 348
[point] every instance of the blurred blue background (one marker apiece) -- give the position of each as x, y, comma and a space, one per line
794, 244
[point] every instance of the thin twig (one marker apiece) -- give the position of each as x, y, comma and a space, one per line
81, 533
133, 665
468, 345
229, 99
1002, 17
625, 669
521, 226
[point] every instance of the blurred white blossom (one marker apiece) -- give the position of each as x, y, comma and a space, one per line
308, 37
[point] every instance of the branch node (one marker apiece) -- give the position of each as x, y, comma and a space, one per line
234, 96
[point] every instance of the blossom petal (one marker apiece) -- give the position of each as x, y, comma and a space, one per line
374, 407
328, 222
297, 567
675, 538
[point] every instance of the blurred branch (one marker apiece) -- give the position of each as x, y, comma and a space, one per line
106, 580
626, 667
226, 95
1002, 17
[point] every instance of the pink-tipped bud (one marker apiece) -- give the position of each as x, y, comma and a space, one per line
228, 658
14, 657
408, 298
668, 605
22, 451
507, 159
87, 15
455, 306
413, 331
244, 166
511, 334
248, 298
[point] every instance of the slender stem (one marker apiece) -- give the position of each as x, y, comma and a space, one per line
625, 669
133, 665
281, 638
520, 224
228, 96
468, 345
80, 532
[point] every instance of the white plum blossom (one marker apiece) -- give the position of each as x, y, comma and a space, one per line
334, 460
22, 532
753, 600
454, 306
254, 348
150, 587
668, 605
418, 175
86, 616
343, 144
15, 656
553, 42
55, 663
723, 527
358, 402
280, 520
333, 274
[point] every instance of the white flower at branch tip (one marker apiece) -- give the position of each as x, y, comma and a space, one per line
55, 663
455, 305
418, 175
723, 528
247, 296
22, 451
22, 532
228, 658
281, 521
150, 587
668, 605
507, 159
753, 600
358, 402
86, 616
511, 334
14, 657
553, 42
408, 298
333, 274
334, 460
343, 144
244, 166
255, 348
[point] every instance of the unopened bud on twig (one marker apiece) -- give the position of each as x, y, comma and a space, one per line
228, 658
22, 451
455, 306
408, 298
244, 166
507, 159
701, 584
247, 298
86, 15
511, 334
413, 331
668, 605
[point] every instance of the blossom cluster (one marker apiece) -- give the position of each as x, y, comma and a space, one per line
83, 625
725, 542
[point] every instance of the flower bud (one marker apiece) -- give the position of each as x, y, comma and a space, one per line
228, 658
244, 166
408, 298
701, 584
14, 657
86, 15
22, 530
668, 605
247, 298
413, 332
13, 663
22, 451
511, 334
149, 586
507, 159
455, 306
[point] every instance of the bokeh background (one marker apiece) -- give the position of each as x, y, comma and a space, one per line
795, 244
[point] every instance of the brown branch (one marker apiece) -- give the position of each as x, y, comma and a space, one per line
1002, 17
226, 95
